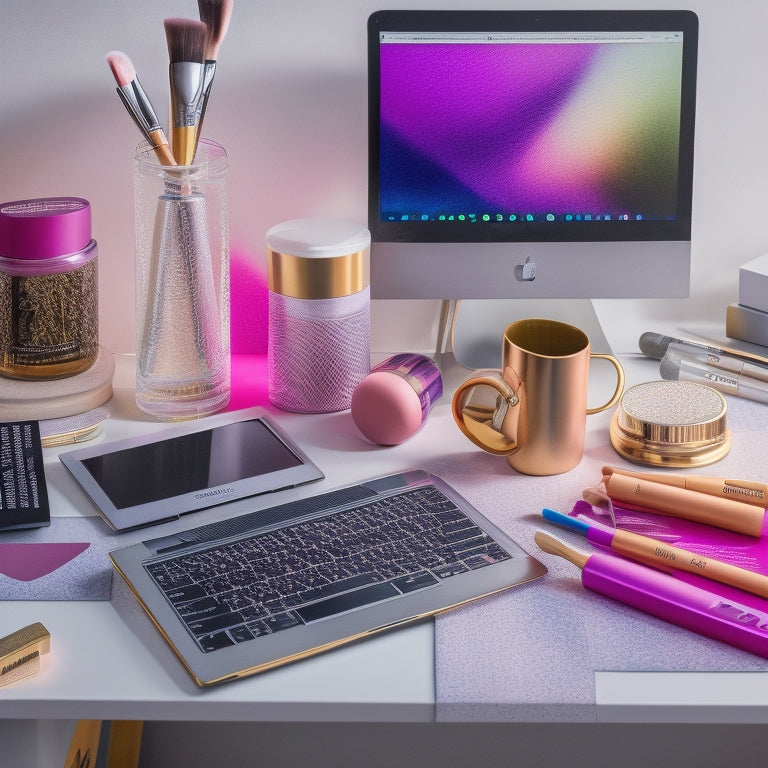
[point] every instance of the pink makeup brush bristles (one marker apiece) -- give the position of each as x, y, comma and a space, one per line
138, 105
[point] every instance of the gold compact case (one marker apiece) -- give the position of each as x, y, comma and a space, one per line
671, 424
20, 652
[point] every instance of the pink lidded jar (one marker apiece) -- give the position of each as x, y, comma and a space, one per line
48, 288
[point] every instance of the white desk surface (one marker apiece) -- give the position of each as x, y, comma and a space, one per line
108, 661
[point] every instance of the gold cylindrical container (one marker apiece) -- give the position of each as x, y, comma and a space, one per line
321, 277
671, 424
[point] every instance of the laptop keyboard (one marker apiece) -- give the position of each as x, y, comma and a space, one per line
262, 583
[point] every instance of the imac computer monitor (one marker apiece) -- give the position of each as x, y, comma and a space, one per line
531, 155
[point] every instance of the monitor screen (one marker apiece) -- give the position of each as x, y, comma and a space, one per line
538, 154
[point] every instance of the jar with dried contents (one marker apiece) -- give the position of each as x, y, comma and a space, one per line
48, 288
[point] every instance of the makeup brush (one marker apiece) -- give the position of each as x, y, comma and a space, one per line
186, 49
138, 105
215, 14
748, 491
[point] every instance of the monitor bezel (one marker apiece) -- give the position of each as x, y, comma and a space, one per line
678, 229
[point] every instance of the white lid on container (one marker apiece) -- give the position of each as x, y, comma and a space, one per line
323, 238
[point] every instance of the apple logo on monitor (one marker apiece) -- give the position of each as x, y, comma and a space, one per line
527, 271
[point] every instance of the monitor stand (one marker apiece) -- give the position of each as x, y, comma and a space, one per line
471, 330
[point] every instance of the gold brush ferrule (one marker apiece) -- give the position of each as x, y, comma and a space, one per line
184, 142
20, 652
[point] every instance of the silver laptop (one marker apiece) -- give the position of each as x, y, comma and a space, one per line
253, 592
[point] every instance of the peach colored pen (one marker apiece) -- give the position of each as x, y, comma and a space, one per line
727, 513
741, 490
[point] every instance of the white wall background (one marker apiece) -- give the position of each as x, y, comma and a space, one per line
289, 103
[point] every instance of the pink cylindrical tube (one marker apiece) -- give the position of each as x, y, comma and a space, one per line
678, 602
392, 402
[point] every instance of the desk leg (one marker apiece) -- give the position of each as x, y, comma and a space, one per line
84, 745
124, 743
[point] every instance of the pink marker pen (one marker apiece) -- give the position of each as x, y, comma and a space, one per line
662, 595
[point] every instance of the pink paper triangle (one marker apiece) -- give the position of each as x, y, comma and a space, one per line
27, 562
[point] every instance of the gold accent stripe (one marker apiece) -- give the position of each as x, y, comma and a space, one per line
317, 278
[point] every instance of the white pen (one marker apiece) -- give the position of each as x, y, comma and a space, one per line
725, 362
678, 364
656, 344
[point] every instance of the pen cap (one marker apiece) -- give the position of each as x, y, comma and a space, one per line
671, 424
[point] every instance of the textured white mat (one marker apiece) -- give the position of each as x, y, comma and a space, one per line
531, 653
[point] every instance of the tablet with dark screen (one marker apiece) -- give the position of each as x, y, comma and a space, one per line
153, 478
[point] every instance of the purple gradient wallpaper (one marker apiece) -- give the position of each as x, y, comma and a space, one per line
587, 129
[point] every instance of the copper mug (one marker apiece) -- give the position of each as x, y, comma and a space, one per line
533, 410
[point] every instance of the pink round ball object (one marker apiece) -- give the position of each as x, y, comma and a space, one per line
393, 401
386, 409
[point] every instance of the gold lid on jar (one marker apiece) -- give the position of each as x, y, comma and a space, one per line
318, 258
671, 424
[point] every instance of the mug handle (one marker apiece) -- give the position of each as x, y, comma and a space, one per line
619, 383
490, 422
